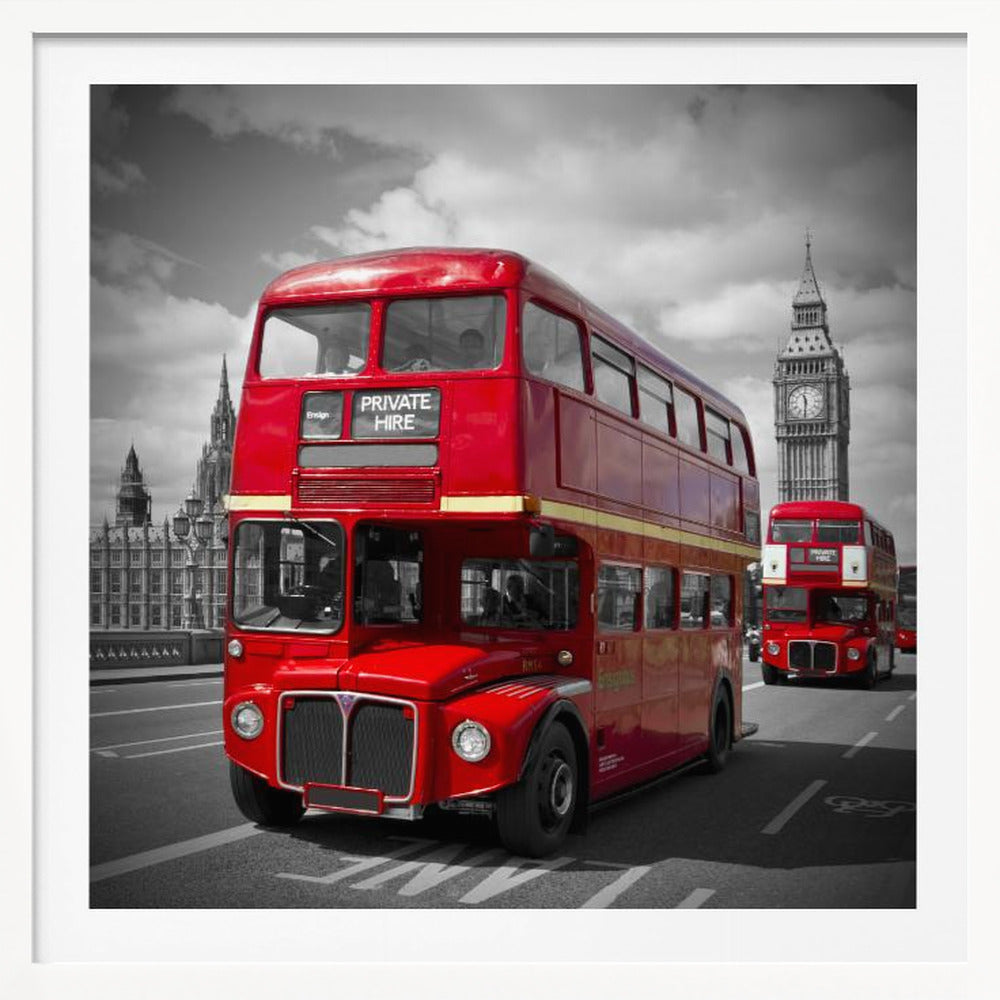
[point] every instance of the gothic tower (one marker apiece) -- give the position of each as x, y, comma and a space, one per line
134, 502
215, 464
812, 416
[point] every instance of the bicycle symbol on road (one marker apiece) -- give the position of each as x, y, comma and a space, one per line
854, 805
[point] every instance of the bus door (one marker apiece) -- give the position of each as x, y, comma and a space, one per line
696, 668
660, 661
618, 675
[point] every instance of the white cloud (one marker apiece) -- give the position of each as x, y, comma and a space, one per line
116, 177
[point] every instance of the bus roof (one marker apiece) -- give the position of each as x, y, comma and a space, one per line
834, 509
421, 270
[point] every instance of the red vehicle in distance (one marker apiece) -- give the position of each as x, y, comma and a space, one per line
486, 550
906, 609
829, 575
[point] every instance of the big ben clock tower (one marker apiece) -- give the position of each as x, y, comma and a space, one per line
812, 415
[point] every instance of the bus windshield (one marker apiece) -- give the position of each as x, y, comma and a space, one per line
517, 593
791, 531
840, 607
324, 341
459, 333
786, 604
289, 577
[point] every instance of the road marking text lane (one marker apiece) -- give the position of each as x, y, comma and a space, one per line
793, 807
606, 896
860, 745
146, 859
154, 708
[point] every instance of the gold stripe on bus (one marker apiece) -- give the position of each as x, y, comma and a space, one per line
633, 526
483, 505
266, 501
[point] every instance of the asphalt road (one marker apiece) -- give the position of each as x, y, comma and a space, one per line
816, 810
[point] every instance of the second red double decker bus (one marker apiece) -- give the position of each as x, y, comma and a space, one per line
829, 575
487, 549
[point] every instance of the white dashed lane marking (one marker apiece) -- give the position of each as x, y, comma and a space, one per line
860, 745
161, 739
154, 708
695, 899
892, 715
606, 896
135, 862
793, 807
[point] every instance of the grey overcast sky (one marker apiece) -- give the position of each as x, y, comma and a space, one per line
681, 210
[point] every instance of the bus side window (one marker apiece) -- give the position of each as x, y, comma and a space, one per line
740, 461
614, 375
550, 345
686, 413
694, 600
656, 400
618, 589
717, 436
660, 598
722, 601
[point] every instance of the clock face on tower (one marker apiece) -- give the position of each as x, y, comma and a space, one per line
805, 402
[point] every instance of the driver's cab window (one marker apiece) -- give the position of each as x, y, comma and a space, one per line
388, 564
289, 577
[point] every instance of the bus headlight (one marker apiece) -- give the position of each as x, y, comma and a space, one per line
854, 654
235, 648
470, 741
773, 649
247, 720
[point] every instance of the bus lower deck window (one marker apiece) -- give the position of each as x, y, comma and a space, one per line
520, 593
387, 575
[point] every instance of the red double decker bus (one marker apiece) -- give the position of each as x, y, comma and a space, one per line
906, 609
829, 575
486, 550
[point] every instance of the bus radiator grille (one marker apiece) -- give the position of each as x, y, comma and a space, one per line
824, 656
313, 742
800, 656
381, 490
381, 748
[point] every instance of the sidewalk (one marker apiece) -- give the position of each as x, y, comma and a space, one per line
140, 674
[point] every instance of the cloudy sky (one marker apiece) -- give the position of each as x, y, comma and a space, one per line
681, 210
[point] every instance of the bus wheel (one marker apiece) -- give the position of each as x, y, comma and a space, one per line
769, 673
534, 815
261, 803
870, 677
720, 737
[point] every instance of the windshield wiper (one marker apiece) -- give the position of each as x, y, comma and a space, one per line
306, 526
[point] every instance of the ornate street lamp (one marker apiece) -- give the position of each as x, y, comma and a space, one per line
190, 513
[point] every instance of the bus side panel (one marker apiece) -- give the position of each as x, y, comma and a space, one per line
266, 437
484, 441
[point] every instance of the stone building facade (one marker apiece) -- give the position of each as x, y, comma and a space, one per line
812, 402
146, 579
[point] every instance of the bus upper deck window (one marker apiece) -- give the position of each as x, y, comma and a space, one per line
844, 532
324, 341
791, 531
740, 461
457, 333
686, 411
551, 346
656, 397
614, 373
717, 436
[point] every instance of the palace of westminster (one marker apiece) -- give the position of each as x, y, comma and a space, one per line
171, 578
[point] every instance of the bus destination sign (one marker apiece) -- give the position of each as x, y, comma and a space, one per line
397, 413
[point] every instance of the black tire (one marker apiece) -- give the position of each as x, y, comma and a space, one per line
534, 816
870, 677
720, 732
261, 803
769, 673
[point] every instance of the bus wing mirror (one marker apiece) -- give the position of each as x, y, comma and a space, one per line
542, 541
